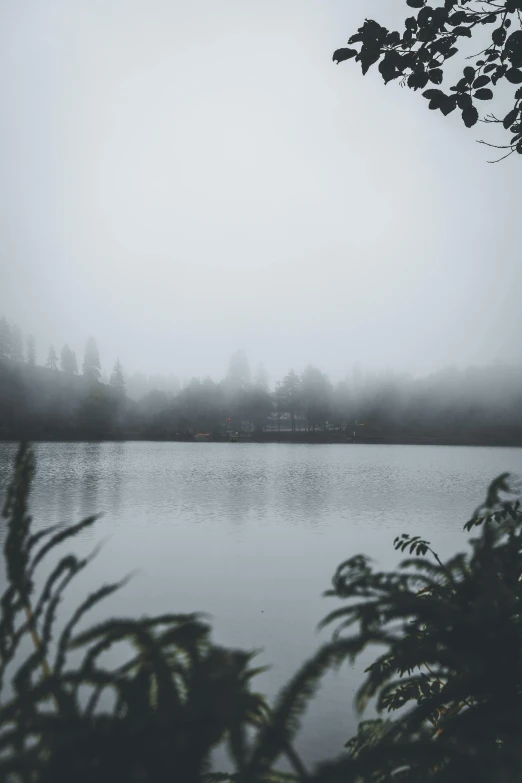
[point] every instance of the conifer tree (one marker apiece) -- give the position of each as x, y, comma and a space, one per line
117, 380
68, 361
91, 362
52, 359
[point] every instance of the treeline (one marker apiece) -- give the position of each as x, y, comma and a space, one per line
478, 405
12, 349
55, 401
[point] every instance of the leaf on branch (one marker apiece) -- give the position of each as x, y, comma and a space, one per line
469, 74
464, 100
367, 60
484, 95
498, 36
393, 38
435, 97
481, 81
457, 18
449, 105
510, 118
470, 116
415, 3
344, 54
418, 80
514, 75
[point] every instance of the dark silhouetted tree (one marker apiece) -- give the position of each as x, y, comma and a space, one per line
316, 397
278, 404
91, 362
117, 380
98, 413
31, 350
256, 404
52, 359
238, 376
290, 392
68, 361
17, 344
5, 339
435, 33
261, 379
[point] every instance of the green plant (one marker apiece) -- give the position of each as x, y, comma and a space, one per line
419, 54
174, 698
451, 670
452, 638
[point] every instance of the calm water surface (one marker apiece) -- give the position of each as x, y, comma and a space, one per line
252, 533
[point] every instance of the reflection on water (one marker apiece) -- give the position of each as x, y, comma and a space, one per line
252, 534
90, 479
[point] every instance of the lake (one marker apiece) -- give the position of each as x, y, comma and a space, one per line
252, 533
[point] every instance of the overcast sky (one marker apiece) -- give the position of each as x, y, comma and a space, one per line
182, 179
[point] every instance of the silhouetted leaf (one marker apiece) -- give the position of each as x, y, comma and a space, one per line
464, 100
344, 54
469, 74
484, 95
481, 82
514, 75
510, 118
457, 18
418, 80
449, 105
435, 97
498, 36
470, 116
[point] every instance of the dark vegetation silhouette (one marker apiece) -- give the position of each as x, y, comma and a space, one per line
52, 359
91, 363
450, 669
479, 405
418, 56
68, 361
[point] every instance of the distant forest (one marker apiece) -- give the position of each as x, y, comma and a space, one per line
61, 400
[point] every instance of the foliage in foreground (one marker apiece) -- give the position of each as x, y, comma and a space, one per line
433, 35
450, 668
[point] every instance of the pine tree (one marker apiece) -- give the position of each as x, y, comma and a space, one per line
91, 362
68, 361
290, 395
17, 344
261, 379
31, 350
117, 380
52, 359
5, 339
238, 376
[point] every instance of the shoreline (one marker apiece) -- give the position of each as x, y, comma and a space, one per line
306, 438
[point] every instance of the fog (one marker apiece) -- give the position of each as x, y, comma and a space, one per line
181, 180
